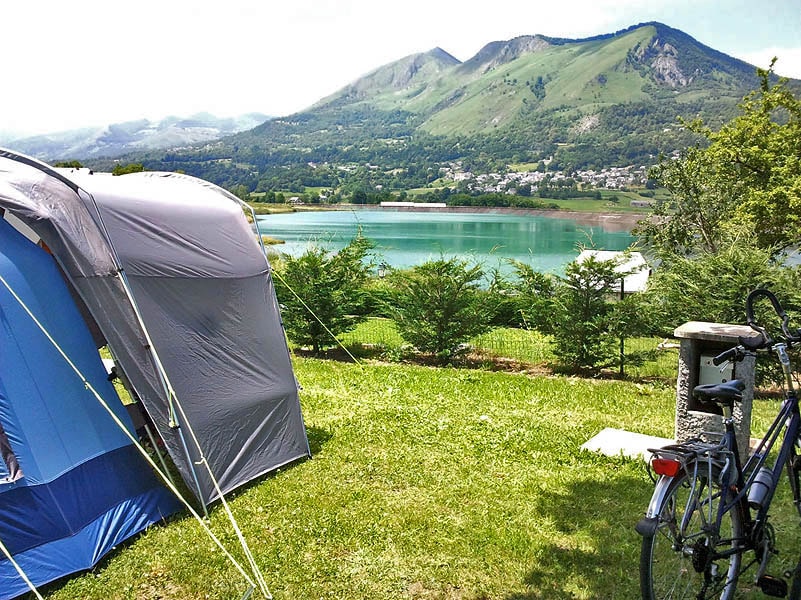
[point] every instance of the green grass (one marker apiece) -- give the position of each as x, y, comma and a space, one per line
261, 208
518, 344
426, 483
524, 167
606, 205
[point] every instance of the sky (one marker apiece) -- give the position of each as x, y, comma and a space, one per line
93, 62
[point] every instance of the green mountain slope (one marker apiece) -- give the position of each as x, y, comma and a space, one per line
507, 82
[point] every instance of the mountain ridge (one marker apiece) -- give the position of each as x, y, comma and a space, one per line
116, 139
581, 74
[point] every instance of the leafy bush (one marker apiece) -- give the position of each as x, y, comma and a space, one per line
524, 299
438, 306
587, 319
322, 293
712, 286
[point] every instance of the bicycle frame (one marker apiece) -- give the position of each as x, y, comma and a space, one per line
788, 422
724, 458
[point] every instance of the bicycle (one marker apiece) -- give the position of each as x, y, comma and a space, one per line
708, 519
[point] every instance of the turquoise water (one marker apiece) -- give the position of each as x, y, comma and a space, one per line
406, 239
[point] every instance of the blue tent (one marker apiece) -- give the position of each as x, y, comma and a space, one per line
72, 485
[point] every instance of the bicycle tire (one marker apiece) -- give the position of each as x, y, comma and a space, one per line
667, 558
795, 585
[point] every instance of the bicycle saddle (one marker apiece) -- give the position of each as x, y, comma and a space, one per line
720, 392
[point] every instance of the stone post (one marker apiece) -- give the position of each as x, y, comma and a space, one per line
700, 342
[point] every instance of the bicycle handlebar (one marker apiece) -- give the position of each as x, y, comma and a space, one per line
751, 344
789, 336
777, 307
732, 354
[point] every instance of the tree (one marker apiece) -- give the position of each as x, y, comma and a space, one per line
437, 306
241, 191
524, 299
587, 322
712, 286
321, 293
129, 168
746, 179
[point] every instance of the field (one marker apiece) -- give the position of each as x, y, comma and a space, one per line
425, 483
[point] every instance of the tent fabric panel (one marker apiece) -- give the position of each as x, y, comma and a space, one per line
82, 550
74, 428
174, 227
32, 515
223, 344
133, 358
56, 212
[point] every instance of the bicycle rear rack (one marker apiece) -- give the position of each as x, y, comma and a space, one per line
699, 457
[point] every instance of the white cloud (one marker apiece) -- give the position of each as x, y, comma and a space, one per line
788, 62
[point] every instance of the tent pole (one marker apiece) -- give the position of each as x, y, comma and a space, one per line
158, 452
162, 374
248, 207
194, 474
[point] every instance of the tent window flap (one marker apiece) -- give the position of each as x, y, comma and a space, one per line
9, 468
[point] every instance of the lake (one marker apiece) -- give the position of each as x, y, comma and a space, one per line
406, 238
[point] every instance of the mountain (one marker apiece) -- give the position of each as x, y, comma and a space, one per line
609, 100
417, 69
508, 83
121, 138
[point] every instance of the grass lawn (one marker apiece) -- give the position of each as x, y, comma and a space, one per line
261, 208
605, 205
426, 483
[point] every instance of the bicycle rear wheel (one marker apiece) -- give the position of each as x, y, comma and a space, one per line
795, 588
692, 562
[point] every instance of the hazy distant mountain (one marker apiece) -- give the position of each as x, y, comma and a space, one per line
122, 138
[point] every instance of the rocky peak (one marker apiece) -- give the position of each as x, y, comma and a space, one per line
663, 59
500, 53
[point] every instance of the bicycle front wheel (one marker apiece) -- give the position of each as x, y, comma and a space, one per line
684, 556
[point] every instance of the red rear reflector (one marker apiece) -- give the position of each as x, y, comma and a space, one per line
666, 466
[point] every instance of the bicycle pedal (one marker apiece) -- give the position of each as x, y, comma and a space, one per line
773, 586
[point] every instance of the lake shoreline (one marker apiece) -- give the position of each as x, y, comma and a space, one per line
607, 221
